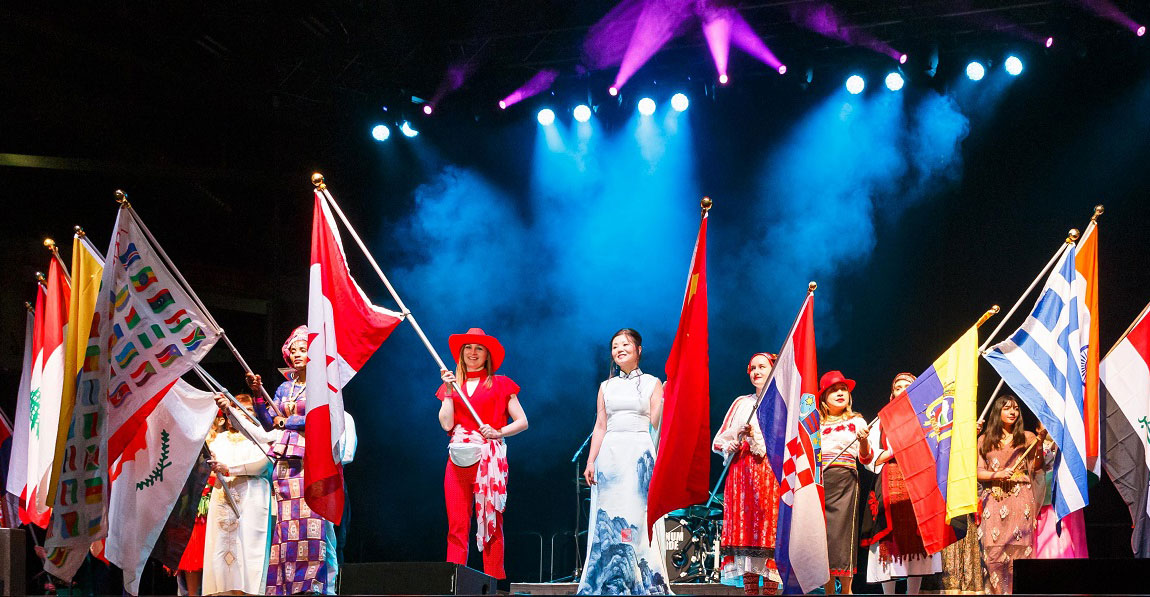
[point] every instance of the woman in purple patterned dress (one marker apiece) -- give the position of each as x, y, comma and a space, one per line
303, 555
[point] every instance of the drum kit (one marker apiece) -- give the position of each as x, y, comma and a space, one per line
691, 540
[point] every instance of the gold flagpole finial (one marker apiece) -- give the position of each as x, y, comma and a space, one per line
79, 231
28, 306
706, 204
317, 180
40, 278
991, 312
1072, 236
51, 244
1098, 209
122, 198
812, 286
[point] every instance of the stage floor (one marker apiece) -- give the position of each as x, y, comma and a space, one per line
568, 588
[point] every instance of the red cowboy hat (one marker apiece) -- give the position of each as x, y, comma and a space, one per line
477, 336
831, 378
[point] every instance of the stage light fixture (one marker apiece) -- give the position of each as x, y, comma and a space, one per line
679, 102
502, 105
613, 90
646, 106
582, 112
1049, 41
782, 69
407, 131
380, 132
894, 81
902, 58
1141, 31
427, 109
723, 79
1013, 65
546, 117
855, 84
975, 71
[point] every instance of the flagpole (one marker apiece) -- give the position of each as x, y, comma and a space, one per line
219, 388
122, 199
993, 395
1136, 321
51, 245
1070, 239
759, 394
321, 187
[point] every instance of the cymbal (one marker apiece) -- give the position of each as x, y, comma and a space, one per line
698, 511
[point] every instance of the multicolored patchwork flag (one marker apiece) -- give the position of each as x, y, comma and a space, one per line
344, 330
132, 355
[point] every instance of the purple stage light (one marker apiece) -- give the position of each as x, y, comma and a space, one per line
782, 69
658, 23
613, 90
902, 58
717, 32
1109, 11
748, 41
723, 79
535, 85
427, 109
822, 19
1141, 31
1049, 41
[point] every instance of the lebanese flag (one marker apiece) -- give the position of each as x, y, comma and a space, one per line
683, 468
46, 389
1125, 374
344, 330
1086, 262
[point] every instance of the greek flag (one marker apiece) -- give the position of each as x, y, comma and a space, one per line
1043, 362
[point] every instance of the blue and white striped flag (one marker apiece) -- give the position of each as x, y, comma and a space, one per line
1043, 362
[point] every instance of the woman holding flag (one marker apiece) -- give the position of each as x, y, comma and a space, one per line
477, 457
1007, 461
751, 494
303, 546
844, 434
620, 557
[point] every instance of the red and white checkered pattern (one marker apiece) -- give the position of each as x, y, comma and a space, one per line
797, 472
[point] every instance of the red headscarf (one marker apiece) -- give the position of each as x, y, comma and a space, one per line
297, 335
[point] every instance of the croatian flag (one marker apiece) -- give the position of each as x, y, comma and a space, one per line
1044, 362
789, 418
344, 330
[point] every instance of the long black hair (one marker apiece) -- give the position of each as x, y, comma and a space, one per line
994, 430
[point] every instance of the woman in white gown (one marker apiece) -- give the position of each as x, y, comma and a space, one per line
620, 557
236, 548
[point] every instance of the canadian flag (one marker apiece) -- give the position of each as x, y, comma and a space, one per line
344, 330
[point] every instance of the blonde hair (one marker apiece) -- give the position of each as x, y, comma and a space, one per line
847, 413
461, 369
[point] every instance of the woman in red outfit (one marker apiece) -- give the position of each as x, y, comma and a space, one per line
477, 457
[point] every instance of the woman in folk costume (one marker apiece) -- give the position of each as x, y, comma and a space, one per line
751, 494
476, 475
236, 541
844, 434
1053, 538
890, 529
1008, 459
303, 550
620, 557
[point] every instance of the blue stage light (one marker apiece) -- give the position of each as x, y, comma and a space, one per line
894, 82
582, 112
380, 132
546, 117
680, 102
976, 71
646, 106
1013, 65
855, 84
407, 131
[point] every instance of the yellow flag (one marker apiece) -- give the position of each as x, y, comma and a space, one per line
958, 371
87, 269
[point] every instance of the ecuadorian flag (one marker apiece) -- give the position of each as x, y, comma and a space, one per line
931, 428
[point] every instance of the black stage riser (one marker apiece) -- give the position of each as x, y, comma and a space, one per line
413, 578
12, 561
1094, 576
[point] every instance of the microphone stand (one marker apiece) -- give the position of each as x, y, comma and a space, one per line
578, 505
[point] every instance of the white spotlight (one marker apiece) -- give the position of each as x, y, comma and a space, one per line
976, 71
646, 106
1013, 65
894, 81
380, 132
407, 131
546, 117
679, 102
582, 112
855, 84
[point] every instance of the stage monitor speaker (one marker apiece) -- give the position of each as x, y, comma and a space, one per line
12, 561
1098, 576
413, 578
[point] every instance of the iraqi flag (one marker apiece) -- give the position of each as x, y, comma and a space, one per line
17, 462
344, 330
683, 468
789, 417
1125, 374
